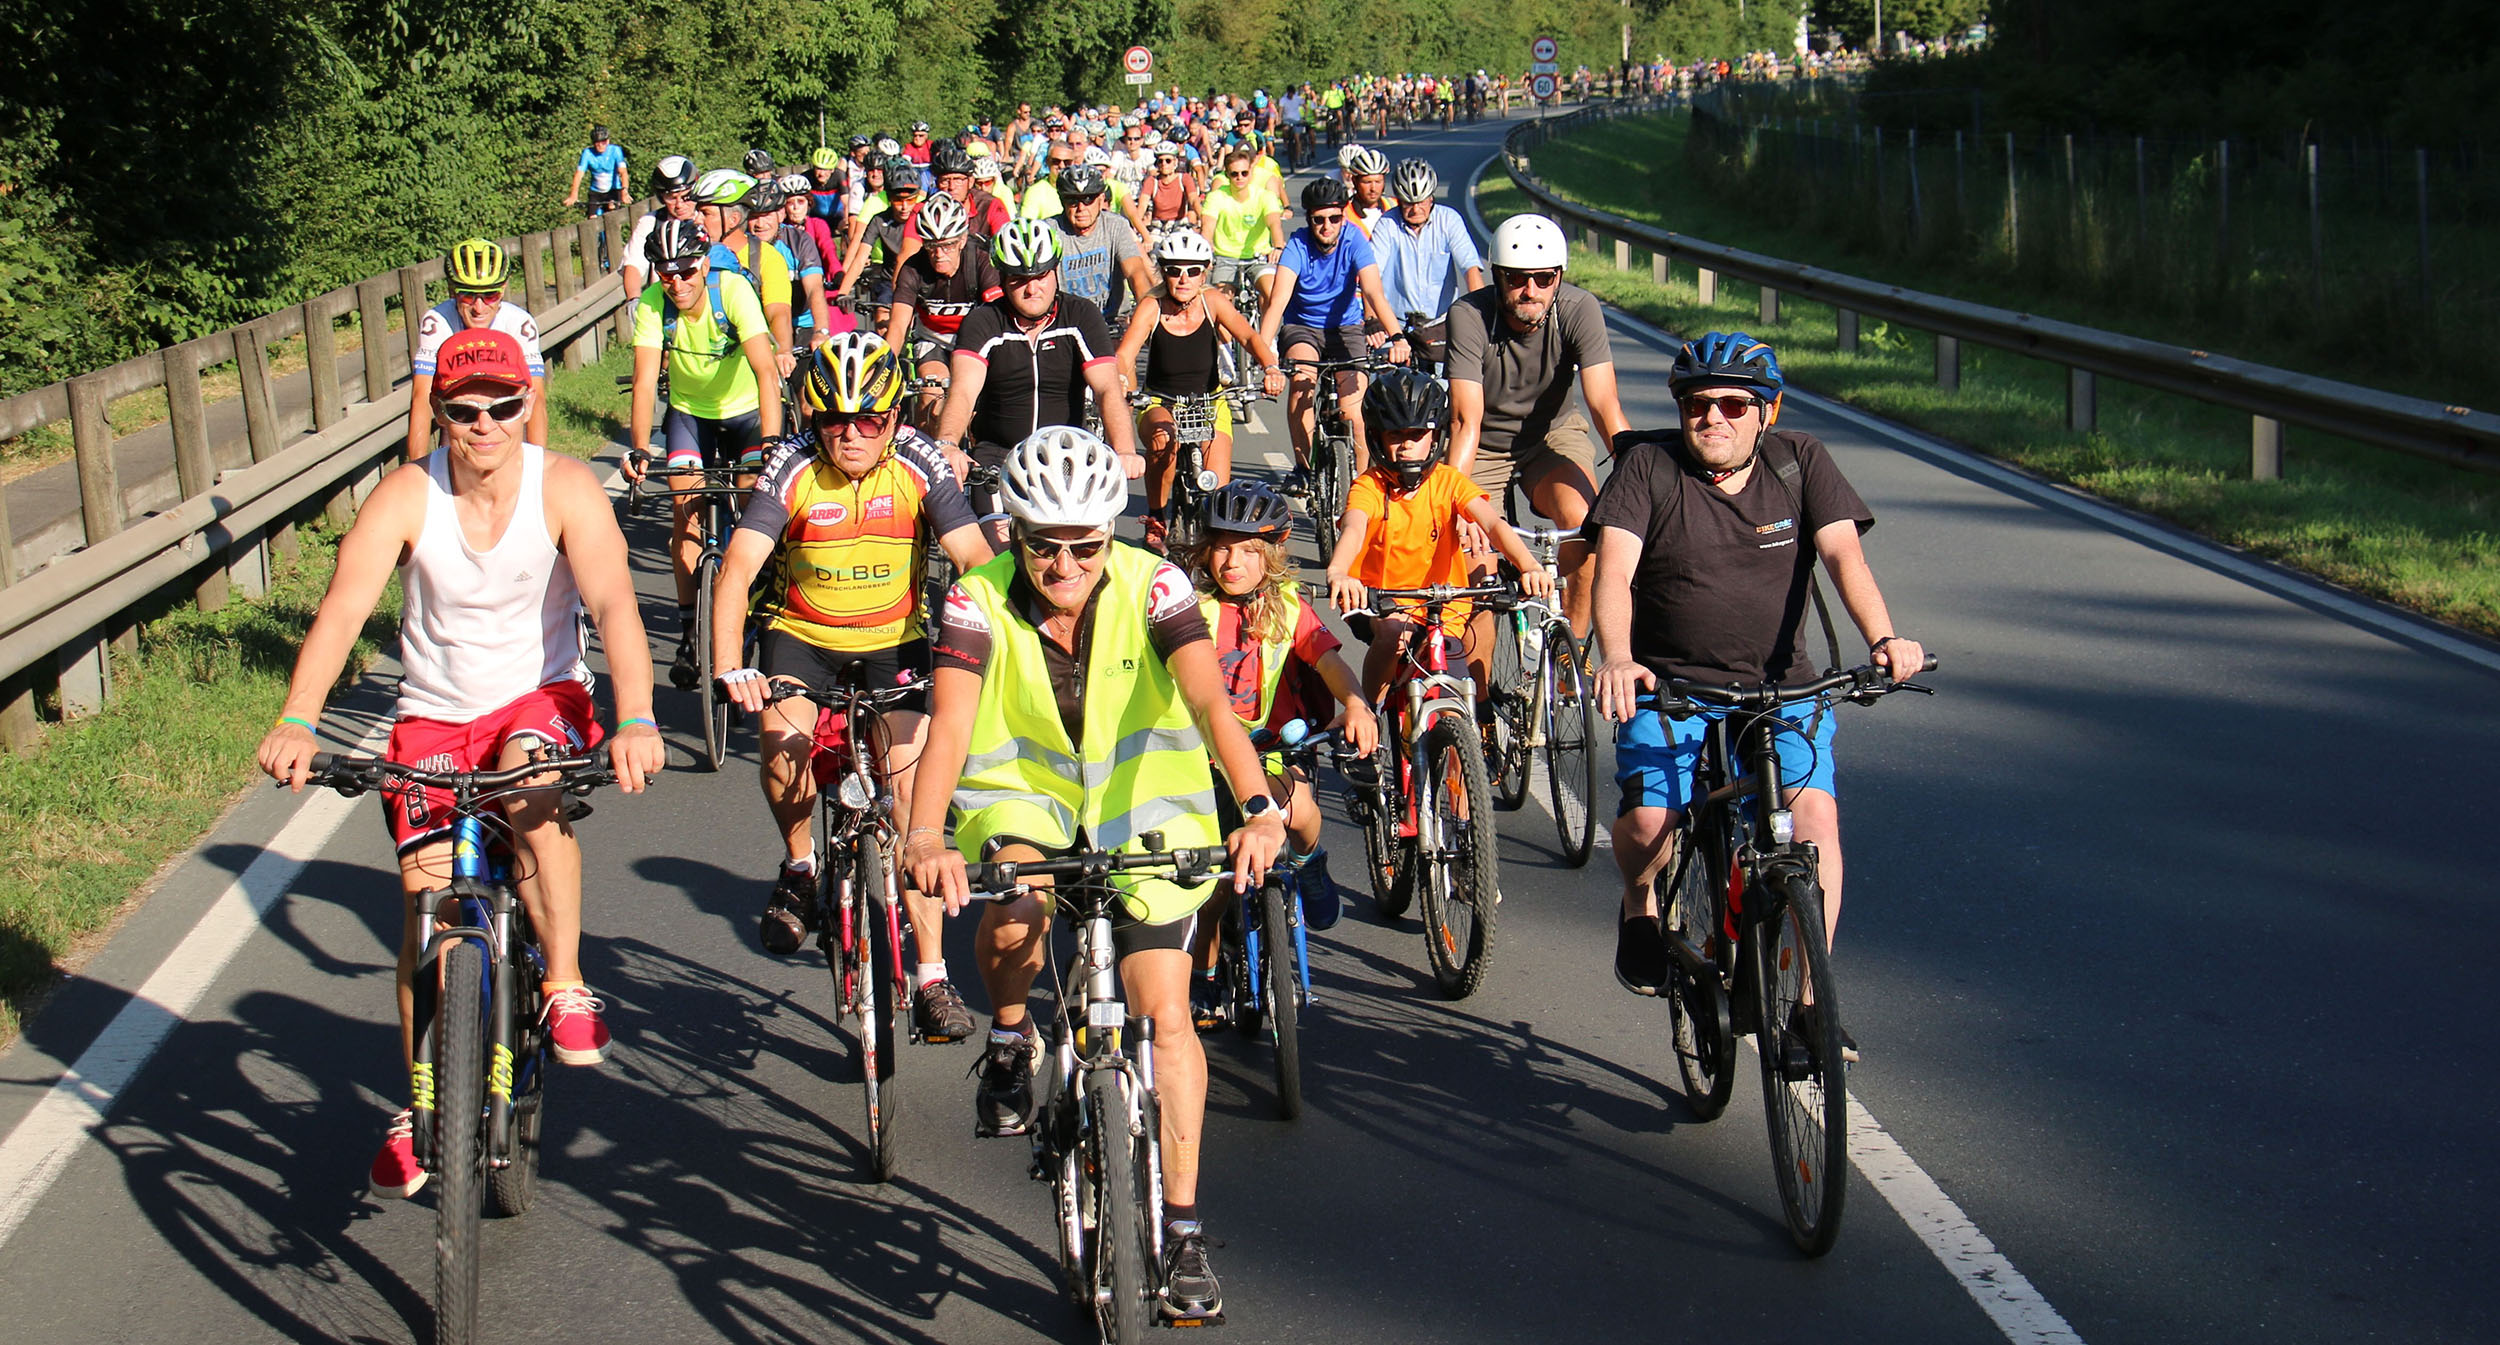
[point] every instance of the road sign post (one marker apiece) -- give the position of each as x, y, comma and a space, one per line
1543, 83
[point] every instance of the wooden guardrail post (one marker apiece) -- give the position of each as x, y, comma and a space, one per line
2265, 449
2083, 401
371, 322
1846, 319
1657, 268
560, 260
534, 272
621, 229
1623, 255
260, 415
412, 306
1949, 362
86, 665
1708, 280
20, 726
321, 363
195, 467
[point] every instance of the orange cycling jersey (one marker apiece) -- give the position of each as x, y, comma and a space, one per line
852, 551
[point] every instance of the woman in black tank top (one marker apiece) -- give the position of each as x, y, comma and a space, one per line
1178, 325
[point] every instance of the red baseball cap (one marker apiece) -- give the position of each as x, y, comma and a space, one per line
479, 355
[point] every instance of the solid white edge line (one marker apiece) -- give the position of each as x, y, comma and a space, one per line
39, 1149
2004, 1293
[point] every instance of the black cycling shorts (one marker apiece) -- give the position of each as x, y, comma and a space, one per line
786, 655
1336, 343
694, 442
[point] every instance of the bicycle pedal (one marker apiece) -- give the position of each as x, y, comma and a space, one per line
1169, 1318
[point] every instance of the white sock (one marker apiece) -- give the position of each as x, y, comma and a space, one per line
928, 973
807, 865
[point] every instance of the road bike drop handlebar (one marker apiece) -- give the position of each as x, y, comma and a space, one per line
778, 690
1865, 685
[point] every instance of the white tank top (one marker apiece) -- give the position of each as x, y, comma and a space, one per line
483, 628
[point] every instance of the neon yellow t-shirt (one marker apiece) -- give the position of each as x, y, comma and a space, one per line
1237, 228
708, 374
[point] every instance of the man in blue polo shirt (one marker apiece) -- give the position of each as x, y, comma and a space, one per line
1312, 314
604, 164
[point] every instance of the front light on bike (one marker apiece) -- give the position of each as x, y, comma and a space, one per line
1209, 482
1783, 826
854, 793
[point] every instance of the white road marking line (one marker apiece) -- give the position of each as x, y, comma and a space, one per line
1984, 1273
36, 1153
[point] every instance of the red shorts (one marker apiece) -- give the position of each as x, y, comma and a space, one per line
559, 713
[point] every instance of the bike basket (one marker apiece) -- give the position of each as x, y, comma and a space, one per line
833, 745
1193, 422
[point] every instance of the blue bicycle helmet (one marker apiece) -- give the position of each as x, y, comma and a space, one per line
1725, 359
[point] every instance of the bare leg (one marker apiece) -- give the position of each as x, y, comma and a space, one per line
1158, 987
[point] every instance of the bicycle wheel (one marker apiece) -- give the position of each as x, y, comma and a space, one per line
1393, 889
884, 1022
1331, 459
510, 1190
1458, 883
1124, 1259
1511, 697
1692, 899
1805, 1085
715, 705
1280, 995
1073, 1194
459, 1142
1570, 746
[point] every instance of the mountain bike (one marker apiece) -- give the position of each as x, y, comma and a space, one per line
1541, 708
1428, 816
1193, 428
478, 1083
1743, 911
716, 506
1331, 474
1098, 1136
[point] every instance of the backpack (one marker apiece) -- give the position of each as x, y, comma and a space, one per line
720, 320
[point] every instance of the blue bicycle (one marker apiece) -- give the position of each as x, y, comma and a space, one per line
1265, 962
478, 1084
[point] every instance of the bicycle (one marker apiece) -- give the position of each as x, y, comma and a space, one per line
1193, 428
715, 503
1331, 475
1540, 699
1265, 945
1427, 811
478, 1083
859, 913
1743, 912
1097, 1136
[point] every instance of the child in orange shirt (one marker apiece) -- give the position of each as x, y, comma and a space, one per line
1419, 502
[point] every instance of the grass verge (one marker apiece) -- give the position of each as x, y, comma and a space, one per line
2415, 533
102, 802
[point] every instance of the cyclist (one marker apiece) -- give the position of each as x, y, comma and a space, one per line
1111, 639
1514, 347
844, 601
935, 287
1100, 260
799, 218
500, 545
721, 198
672, 181
918, 148
1025, 360
710, 328
768, 225
1705, 570
1367, 176
828, 180
1179, 326
877, 233
1168, 198
1419, 502
1312, 304
1277, 660
604, 164
1245, 227
1427, 258
477, 271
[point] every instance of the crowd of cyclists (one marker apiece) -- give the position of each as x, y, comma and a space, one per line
915, 348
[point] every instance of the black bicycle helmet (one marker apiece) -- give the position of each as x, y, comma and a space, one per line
675, 172
1081, 180
948, 158
758, 163
901, 174
1323, 194
1407, 399
1252, 507
675, 240
766, 198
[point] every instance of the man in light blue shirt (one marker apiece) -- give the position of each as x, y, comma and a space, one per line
1426, 258
604, 164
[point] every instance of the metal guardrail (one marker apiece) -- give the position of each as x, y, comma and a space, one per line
2457, 435
59, 621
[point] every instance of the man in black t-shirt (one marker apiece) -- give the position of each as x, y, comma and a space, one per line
1707, 541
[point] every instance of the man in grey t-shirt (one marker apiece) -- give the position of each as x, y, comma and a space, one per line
1098, 249
1514, 347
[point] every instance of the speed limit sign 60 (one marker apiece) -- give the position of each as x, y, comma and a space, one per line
1542, 87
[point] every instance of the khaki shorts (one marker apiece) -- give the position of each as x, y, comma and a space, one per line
1568, 439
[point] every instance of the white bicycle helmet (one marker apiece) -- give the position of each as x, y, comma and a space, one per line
943, 219
1064, 477
796, 184
1346, 157
1369, 163
1415, 181
1185, 245
1529, 242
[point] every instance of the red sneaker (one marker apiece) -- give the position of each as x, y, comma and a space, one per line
396, 1175
573, 1025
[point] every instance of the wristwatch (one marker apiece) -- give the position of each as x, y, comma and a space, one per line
1257, 806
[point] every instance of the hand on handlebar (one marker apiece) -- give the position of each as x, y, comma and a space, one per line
1901, 658
637, 754
747, 688
938, 870
1362, 729
286, 753
1537, 583
1273, 383
1253, 846
1619, 687
637, 465
1347, 593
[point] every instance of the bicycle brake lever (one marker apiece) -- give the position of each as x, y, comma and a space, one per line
1918, 687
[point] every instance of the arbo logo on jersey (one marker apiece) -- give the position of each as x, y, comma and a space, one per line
828, 512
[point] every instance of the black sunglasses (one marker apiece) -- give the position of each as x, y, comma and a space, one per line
466, 413
1732, 406
679, 270
1047, 549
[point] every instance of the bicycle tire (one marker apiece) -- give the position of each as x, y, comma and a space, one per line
1512, 698
1693, 903
511, 1190
884, 1022
1459, 900
1073, 1194
460, 1141
715, 706
1570, 746
1805, 1102
1123, 1261
1385, 853
1280, 996
1232, 964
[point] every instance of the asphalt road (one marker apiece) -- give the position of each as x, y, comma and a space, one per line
2158, 920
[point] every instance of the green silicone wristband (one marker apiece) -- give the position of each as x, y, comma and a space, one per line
299, 721
638, 719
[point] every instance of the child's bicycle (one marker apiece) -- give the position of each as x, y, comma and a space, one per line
1193, 427
1264, 966
478, 1083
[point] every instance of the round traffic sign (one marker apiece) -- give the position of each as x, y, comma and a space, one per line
1542, 87
1138, 60
1545, 49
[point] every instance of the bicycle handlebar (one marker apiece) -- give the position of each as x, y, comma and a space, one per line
996, 880
1384, 601
1865, 683
352, 775
776, 691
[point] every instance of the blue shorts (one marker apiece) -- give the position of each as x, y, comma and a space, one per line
1655, 756
694, 442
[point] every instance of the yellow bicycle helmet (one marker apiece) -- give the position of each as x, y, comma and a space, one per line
853, 373
477, 266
